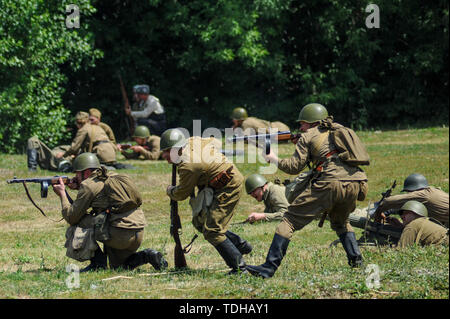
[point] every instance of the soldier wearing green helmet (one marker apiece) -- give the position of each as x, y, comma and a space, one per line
333, 190
273, 196
116, 219
147, 147
201, 165
418, 229
416, 187
251, 125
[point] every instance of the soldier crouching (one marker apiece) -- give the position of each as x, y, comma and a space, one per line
219, 184
115, 219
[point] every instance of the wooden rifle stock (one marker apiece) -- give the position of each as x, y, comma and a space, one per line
130, 121
279, 136
175, 226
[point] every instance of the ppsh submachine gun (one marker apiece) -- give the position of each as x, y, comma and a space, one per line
45, 183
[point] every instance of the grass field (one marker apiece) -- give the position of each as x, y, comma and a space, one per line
33, 262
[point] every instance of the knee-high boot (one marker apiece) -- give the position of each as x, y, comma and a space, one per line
274, 257
351, 247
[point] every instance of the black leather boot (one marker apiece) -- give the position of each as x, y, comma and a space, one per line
98, 262
32, 159
242, 245
274, 257
351, 247
146, 256
232, 256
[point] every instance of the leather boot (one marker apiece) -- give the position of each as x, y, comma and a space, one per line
242, 245
274, 257
98, 262
32, 159
146, 256
350, 245
231, 256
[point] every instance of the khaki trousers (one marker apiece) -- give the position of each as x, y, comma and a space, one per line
214, 224
337, 198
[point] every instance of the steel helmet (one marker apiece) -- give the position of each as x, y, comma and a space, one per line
85, 161
414, 182
239, 113
416, 207
141, 131
312, 113
172, 138
253, 182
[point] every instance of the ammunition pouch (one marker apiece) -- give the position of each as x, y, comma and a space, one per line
222, 179
101, 226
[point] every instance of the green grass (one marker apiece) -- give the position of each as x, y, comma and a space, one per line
33, 262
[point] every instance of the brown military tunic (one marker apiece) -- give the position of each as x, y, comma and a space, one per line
423, 232
434, 199
200, 163
93, 136
334, 191
252, 124
109, 132
126, 228
151, 151
275, 202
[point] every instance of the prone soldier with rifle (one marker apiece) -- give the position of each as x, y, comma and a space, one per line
147, 145
200, 165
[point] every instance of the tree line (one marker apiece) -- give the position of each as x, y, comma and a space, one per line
204, 58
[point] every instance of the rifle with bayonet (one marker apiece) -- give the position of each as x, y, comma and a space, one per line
266, 139
45, 183
175, 226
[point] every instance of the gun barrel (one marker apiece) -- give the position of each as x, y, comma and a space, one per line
387, 230
50, 180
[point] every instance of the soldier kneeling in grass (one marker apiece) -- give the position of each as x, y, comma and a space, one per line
116, 219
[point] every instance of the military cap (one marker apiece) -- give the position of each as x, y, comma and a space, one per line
85, 161
95, 112
253, 182
414, 182
312, 113
172, 138
415, 207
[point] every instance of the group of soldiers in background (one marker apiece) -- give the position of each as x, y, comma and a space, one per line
333, 192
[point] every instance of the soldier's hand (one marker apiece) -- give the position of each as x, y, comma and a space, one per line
271, 157
169, 189
137, 148
59, 188
254, 217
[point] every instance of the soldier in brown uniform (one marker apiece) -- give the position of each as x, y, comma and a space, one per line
271, 194
417, 188
251, 125
89, 138
94, 117
147, 146
115, 219
335, 190
219, 184
418, 229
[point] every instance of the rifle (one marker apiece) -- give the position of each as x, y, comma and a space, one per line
127, 146
130, 122
267, 138
378, 215
175, 226
379, 233
45, 182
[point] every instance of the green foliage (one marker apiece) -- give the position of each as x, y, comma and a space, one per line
270, 56
34, 48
